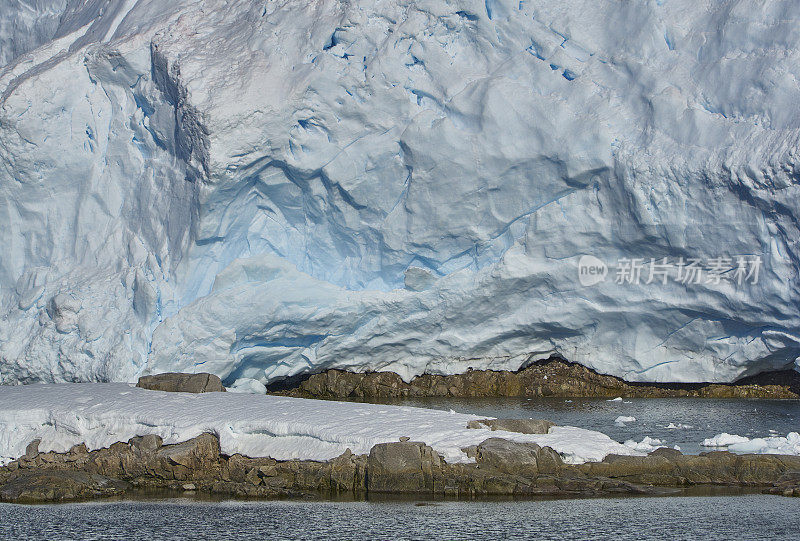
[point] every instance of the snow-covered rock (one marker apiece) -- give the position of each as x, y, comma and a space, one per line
270, 188
99, 414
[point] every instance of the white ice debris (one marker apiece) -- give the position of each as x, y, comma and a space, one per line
100, 414
623, 419
723, 440
261, 189
789, 445
617, 399
647, 444
247, 385
679, 426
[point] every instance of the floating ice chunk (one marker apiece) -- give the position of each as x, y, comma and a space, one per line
724, 440
622, 419
647, 444
790, 445
617, 399
679, 426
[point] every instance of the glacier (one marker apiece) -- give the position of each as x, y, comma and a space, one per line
261, 189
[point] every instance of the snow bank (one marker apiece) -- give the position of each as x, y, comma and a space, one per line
63, 415
272, 188
789, 445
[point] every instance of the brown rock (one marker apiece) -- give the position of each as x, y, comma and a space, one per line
146, 444
32, 449
550, 377
347, 472
176, 382
508, 456
666, 452
403, 467
198, 457
53, 486
253, 477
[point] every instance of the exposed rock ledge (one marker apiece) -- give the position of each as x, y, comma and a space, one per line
178, 382
551, 377
502, 468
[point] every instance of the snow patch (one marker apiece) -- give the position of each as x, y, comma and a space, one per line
98, 415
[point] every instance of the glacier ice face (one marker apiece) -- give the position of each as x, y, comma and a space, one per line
261, 189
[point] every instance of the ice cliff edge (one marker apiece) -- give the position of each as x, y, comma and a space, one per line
263, 188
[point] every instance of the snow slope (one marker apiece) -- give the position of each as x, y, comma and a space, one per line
264, 188
100, 414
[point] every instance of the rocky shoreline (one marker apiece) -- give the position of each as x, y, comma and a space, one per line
547, 378
501, 468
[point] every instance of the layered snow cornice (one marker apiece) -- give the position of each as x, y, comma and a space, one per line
259, 189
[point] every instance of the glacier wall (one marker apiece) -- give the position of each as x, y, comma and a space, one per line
264, 188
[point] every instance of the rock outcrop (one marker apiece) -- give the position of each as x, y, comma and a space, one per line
58, 485
501, 467
551, 377
406, 466
177, 382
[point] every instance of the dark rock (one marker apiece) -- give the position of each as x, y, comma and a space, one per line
348, 472
57, 485
148, 443
176, 382
403, 467
550, 377
549, 461
523, 426
32, 449
198, 457
508, 456
666, 452
502, 468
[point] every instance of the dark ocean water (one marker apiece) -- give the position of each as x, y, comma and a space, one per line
697, 418
751, 516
